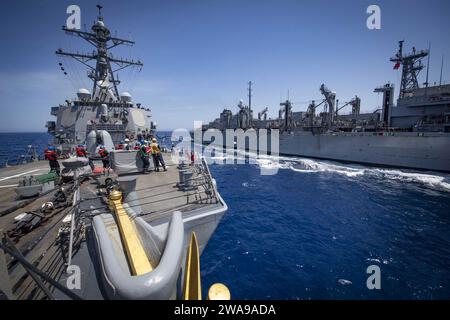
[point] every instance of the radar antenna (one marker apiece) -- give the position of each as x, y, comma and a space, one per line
411, 66
250, 95
99, 7
102, 74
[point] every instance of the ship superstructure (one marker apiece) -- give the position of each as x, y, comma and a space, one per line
102, 108
414, 133
132, 231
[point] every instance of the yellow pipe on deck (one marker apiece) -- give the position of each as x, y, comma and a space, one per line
134, 250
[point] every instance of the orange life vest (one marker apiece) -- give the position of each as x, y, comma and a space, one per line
103, 153
50, 155
81, 152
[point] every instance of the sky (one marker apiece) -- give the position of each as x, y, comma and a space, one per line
199, 54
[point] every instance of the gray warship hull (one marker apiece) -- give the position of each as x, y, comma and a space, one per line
120, 228
414, 133
413, 150
424, 151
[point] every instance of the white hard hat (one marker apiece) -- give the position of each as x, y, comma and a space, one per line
127, 140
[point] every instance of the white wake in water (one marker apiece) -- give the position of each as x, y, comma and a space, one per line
310, 165
432, 180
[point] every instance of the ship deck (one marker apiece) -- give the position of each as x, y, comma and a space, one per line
10, 177
39, 245
159, 196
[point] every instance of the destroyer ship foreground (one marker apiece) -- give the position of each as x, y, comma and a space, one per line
105, 234
414, 133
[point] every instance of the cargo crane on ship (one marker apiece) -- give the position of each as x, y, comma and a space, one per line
262, 115
354, 102
414, 133
330, 98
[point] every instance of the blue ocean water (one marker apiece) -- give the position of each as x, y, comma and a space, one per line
311, 230
14, 146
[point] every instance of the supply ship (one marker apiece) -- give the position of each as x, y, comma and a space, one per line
122, 231
413, 133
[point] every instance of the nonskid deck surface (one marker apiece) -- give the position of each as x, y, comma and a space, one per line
7, 174
40, 245
9, 179
43, 246
159, 194
159, 197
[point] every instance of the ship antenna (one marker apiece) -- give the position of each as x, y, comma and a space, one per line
99, 7
411, 66
442, 65
428, 66
250, 95
99, 62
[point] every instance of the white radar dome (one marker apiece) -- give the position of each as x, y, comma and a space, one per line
83, 94
125, 96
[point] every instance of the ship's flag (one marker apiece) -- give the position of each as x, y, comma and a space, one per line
397, 65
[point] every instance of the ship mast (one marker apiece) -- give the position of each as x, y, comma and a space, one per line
102, 75
411, 66
250, 95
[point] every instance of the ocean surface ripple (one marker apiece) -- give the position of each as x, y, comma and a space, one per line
311, 231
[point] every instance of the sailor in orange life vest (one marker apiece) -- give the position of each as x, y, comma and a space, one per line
157, 155
105, 156
137, 146
81, 152
51, 156
120, 145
